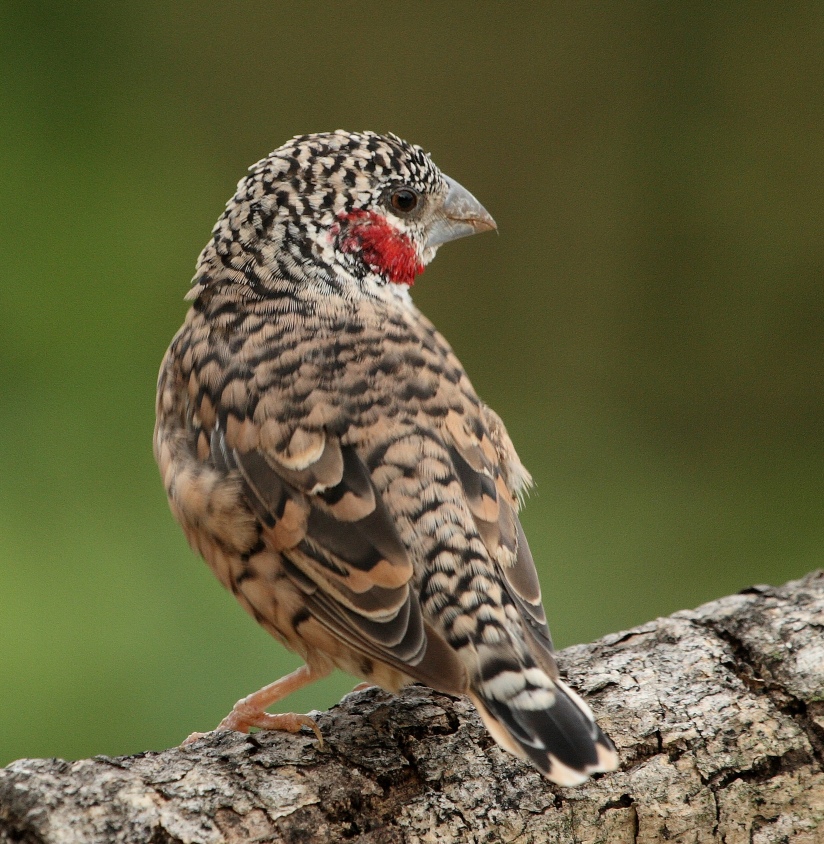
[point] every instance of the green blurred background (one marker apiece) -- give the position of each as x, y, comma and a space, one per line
650, 321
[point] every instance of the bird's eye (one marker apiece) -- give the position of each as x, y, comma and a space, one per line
404, 200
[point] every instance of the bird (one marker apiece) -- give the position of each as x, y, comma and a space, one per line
325, 452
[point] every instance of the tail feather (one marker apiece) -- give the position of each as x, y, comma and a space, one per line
542, 720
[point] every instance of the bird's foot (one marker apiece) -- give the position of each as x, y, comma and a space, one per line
250, 711
245, 716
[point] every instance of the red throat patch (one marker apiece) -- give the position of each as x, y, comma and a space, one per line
383, 248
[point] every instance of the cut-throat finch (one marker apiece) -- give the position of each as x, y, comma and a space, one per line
324, 450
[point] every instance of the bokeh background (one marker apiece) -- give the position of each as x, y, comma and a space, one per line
649, 322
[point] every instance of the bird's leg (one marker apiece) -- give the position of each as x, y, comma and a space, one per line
250, 711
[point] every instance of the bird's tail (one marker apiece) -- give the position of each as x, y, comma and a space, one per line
542, 720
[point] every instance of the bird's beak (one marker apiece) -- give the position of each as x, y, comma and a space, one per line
460, 215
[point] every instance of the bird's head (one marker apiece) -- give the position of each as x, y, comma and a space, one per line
350, 210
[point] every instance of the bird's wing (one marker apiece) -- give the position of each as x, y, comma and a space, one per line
323, 515
529, 711
492, 480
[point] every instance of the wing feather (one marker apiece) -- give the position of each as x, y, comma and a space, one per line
482, 461
340, 546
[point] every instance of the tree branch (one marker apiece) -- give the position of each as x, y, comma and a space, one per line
718, 714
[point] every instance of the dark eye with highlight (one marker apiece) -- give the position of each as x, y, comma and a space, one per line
404, 200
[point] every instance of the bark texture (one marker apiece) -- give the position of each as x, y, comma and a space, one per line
718, 714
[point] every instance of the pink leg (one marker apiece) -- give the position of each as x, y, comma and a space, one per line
250, 711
